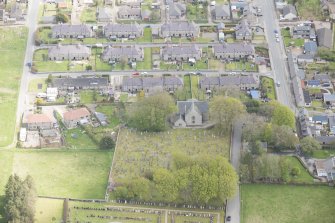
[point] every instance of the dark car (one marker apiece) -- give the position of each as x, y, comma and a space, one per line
136, 74
228, 218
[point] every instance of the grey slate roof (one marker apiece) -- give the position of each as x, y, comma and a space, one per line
222, 10
184, 106
310, 47
180, 50
79, 82
110, 28
234, 48
179, 26
152, 81
325, 37
227, 81
176, 9
329, 97
103, 13
65, 29
110, 52
289, 9
69, 49
307, 97
243, 28
322, 78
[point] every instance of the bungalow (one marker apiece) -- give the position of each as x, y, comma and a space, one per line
325, 38
71, 31
151, 84
38, 121
69, 52
329, 99
310, 47
304, 31
113, 54
289, 12
191, 113
326, 168
326, 140
181, 53
123, 31
233, 51
80, 83
177, 10
76, 117
324, 79
222, 12
242, 82
179, 29
305, 59
128, 13
243, 31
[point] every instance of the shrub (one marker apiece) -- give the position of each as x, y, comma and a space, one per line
295, 171
107, 142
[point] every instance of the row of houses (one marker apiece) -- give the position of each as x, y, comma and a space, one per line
233, 51
134, 30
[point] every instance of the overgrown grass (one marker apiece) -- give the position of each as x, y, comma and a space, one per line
309, 9
88, 15
78, 139
323, 153
287, 204
268, 87
139, 152
12, 47
303, 177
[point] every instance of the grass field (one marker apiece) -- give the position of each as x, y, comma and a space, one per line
78, 139
67, 173
88, 212
138, 152
323, 153
35, 83
48, 210
240, 66
12, 47
289, 41
287, 204
6, 161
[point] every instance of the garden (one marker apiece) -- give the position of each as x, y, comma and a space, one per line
268, 88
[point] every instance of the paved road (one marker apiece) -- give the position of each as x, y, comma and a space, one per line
22, 98
233, 206
277, 55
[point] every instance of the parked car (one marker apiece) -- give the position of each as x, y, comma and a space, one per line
136, 74
228, 218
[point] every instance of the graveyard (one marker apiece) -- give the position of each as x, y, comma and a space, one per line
137, 152
107, 212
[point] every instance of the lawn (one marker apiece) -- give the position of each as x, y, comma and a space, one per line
90, 97
199, 65
241, 66
303, 177
12, 45
323, 153
88, 15
289, 41
78, 139
196, 13
268, 87
111, 111
147, 36
65, 173
287, 204
48, 210
37, 85
139, 152
146, 64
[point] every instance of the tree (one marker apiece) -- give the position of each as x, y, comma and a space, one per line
49, 79
282, 115
283, 137
295, 171
107, 142
224, 111
166, 184
62, 17
20, 198
151, 113
309, 144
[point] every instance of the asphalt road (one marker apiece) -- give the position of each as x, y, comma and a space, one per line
22, 98
277, 55
233, 205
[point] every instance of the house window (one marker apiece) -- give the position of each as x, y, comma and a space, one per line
193, 119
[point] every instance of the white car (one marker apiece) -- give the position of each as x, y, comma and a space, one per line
277, 40
144, 73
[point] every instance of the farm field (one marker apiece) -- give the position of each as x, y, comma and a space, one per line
89, 212
65, 173
287, 204
139, 152
12, 45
